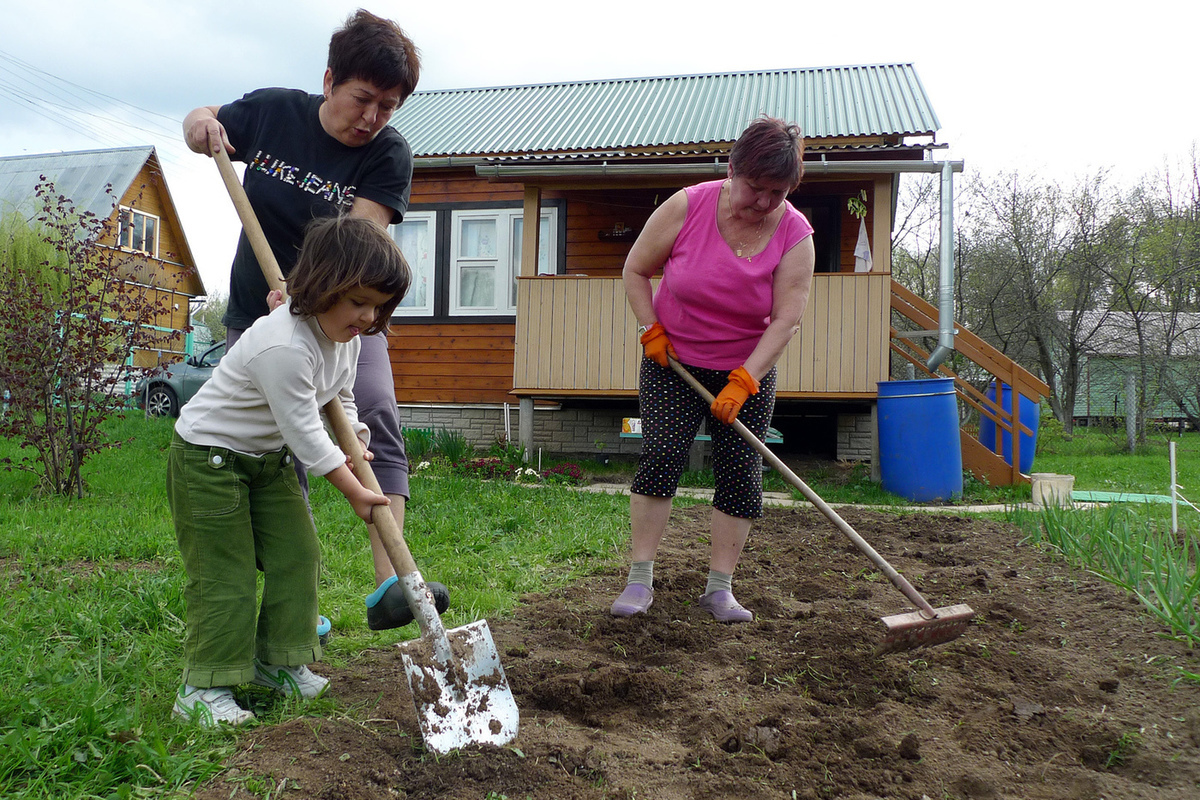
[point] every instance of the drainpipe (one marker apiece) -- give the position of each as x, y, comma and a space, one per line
945, 345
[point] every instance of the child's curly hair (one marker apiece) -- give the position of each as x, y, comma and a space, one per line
342, 253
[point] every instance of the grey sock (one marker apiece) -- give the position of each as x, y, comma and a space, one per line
718, 581
641, 572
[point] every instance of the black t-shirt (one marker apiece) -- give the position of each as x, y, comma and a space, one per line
295, 173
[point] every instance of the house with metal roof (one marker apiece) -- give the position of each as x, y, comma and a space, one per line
1154, 353
527, 199
126, 186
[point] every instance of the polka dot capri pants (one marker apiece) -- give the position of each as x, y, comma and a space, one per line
671, 412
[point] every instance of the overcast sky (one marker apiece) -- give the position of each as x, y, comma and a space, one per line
1055, 87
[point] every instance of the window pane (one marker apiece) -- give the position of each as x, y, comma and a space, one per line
415, 238
478, 238
544, 267
150, 240
139, 231
125, 237
477, 287
518, 228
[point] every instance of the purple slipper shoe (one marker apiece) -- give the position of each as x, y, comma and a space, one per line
636, 599
724, 608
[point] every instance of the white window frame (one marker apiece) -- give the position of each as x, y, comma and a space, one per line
506, 265
126, 216
424, 265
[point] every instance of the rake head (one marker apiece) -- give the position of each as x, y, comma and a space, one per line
911, 630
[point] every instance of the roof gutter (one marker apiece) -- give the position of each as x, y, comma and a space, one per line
483, 169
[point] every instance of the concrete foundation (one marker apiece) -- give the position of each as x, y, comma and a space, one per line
583, 432
589, 432
855, 437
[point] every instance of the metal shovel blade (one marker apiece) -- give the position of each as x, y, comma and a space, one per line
911, 630
465, 699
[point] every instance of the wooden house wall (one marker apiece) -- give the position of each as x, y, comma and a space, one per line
463, 362
147, 193
452, 363
593, 217
168, 281
1102, 390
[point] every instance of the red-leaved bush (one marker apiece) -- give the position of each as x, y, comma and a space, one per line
69, 324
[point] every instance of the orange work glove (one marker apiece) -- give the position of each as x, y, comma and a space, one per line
657, 346
729, 402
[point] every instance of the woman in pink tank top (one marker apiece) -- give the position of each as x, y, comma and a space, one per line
737, 263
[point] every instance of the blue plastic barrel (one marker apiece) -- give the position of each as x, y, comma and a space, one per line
920, 455
1030, 413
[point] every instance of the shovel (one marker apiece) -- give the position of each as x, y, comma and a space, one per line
458, 685
925, 627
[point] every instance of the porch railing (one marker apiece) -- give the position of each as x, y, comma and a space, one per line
989, 365
577, 336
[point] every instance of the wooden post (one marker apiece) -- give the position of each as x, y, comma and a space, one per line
531, 229
1015, 421
881, 225
525, 426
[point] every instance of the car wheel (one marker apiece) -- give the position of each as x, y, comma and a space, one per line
161, 402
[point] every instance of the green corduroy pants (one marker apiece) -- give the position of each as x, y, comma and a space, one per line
234, 516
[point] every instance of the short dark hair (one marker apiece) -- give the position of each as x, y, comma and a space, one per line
375, 50
342, 253
770, 148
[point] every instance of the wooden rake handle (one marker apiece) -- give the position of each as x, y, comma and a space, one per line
389, 532
898, 580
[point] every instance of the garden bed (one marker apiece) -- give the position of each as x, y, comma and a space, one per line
1061, 688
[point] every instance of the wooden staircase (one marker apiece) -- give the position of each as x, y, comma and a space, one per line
986, 364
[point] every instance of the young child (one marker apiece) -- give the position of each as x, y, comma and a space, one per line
234, 494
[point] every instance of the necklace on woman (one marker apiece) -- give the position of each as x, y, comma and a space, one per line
743, 245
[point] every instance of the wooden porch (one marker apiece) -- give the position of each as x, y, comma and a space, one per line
576, 337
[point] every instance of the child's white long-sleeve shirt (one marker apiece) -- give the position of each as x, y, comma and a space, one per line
269, 390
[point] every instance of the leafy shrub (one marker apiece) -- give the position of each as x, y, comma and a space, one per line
72, 322
567, 473
1050, 433
452, 445
509, 452
418, 444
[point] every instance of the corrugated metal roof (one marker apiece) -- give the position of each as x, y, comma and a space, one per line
79, 176
850, 101
1120, 333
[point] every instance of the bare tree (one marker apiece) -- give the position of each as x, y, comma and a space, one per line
916, 235
1036, 258
1161, 290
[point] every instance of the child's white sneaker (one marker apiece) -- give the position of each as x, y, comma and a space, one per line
290, 680
209, 707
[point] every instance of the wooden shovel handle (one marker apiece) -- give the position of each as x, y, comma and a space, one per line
898, 580
254, 231
389, 532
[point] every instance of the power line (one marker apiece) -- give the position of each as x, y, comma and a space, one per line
32, 68
74, 107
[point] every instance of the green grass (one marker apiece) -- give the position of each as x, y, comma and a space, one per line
1137, 546
1099, 461
91, 607
1134, 547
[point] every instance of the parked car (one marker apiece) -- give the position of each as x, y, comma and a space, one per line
165, 390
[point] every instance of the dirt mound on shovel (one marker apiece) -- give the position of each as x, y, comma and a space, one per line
1061, 688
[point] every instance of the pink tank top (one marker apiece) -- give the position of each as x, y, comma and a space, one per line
713, 304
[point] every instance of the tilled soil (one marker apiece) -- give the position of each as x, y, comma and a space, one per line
1060, 688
